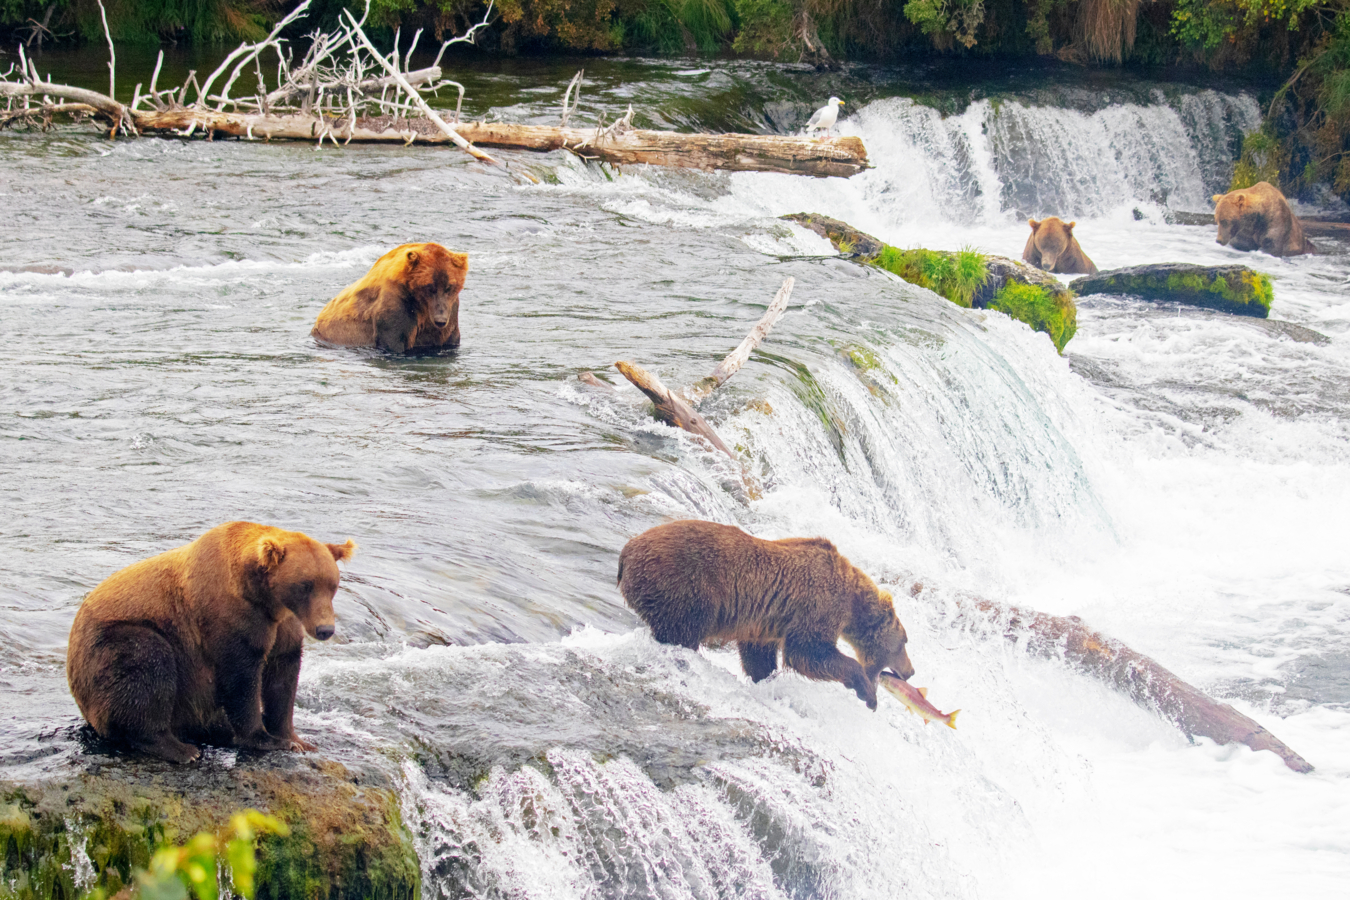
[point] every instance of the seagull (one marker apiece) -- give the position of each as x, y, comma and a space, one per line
826, 116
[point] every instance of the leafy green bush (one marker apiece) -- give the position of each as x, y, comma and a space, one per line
956, 276
1053, 314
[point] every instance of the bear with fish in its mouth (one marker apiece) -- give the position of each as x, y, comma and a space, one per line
699, 582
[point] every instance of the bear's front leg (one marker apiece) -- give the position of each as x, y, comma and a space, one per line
821, 660
280, 677
239, 693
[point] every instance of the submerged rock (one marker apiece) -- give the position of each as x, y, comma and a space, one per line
965, 277
1232, 289
70, 834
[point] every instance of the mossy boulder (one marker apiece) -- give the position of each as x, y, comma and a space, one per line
965, 277
1232, 289
63, 837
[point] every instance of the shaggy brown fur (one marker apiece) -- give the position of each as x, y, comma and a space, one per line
203, 643
1053, 247
409, 300
699, 582
1259, 218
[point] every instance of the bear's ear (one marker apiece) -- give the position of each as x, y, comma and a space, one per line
270, 554
1034, 224
1069, 227
1241, 201
342, 551
413, 257
459, 260
1217, 197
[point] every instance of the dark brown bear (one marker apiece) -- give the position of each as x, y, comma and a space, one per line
1053, 247
202, 643
1259, 218
699, 582
409, 300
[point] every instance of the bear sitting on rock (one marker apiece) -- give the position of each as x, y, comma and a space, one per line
1259, 218
699, 582
202, 643
1053, 247
409, 300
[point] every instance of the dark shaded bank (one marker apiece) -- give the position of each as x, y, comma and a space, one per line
1302, 49
93, 826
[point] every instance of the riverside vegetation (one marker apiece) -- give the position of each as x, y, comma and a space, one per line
1303, 46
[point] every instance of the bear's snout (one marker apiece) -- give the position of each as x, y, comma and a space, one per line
324, 632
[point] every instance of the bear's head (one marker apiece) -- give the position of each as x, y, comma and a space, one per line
301, 574
878, 637
1053, 237
1229, 210
435, 276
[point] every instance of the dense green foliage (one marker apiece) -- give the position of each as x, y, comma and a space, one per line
956, 276
1306, 42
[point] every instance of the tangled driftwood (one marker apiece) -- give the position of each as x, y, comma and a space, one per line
345, 90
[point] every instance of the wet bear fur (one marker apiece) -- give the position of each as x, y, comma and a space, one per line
203, 643
702, 583
1053, 247
409, 300
1259, 218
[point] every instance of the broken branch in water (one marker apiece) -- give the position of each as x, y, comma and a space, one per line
1137, 676
678, 411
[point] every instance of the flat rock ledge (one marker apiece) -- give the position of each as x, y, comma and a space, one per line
63, 837
1232, 289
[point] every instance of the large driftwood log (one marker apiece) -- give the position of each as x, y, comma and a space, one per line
843, 156
677, 408
1133, 674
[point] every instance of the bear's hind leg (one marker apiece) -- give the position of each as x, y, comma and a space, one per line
758, 660
821, 660
137, 691
280, 677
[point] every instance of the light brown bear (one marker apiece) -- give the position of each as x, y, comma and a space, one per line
699, 582
1259, 218
1053, 247
409, 300
202, 643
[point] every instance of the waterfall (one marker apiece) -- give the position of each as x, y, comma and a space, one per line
1001, 160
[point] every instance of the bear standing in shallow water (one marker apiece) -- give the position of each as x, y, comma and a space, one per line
409, 300
203, 642
699, 582
1053, 247
1259, 218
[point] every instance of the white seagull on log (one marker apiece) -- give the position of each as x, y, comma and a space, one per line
826, 116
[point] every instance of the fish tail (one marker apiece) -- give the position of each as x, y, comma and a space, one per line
951, 718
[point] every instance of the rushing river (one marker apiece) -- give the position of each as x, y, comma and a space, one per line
1178, 479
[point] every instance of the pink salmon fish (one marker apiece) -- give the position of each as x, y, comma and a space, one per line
916, 700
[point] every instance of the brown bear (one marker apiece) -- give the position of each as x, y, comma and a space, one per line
1259, 218
1053, 247
409, 300
202, 643
699, 582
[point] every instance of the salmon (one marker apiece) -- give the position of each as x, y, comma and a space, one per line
916, 700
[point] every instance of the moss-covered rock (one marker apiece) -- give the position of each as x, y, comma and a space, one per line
965, 277
63, 837
1233, 289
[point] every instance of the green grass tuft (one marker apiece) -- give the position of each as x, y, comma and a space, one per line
956, 276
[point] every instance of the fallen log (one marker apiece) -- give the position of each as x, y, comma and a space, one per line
842, 156
965, 277
677, 409
671, 408
1137, 676
1232, 289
